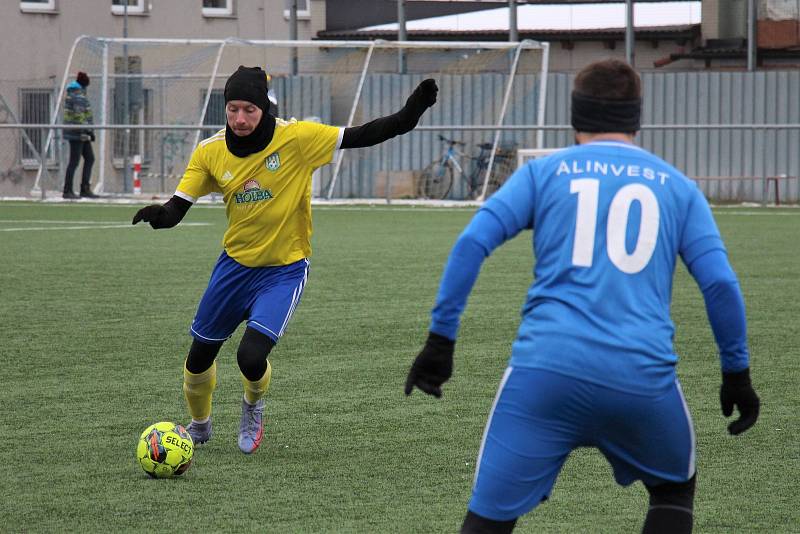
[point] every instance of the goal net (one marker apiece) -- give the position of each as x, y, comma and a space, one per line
155, 99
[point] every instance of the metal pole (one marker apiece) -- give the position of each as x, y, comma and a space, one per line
59, 146
101, 181
293, 35
497, 133
126, 99
436, 128
629, 38
43, 165
402, 35
752, 46
540, 110
162, 159
354, 107
513, 31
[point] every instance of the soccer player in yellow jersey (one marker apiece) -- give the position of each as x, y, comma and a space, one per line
262, 166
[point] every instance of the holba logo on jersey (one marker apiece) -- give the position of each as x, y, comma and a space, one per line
252, 192
273, 161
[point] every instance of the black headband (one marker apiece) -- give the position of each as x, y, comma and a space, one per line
250, 84
594, 115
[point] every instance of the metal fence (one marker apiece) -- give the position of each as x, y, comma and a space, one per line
690, 120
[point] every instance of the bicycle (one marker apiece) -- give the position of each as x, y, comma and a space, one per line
436, 179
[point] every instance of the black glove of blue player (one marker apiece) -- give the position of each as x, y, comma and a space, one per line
432, 367
736, 390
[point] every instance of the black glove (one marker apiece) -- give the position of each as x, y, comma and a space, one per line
156, 214
164, 216
432, 367
423, 97
736, 390
91, 137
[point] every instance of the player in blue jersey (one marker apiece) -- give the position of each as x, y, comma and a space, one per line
593, 363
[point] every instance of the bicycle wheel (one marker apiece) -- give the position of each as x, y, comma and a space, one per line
435, 181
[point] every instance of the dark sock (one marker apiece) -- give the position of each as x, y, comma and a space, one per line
475, 524
666, 519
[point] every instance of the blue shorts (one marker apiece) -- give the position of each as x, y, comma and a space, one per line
539, 417
265, 297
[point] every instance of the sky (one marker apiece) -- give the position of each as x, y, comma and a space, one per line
561, 17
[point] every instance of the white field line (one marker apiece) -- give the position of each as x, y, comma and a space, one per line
91, 227
750, 213
397, 205
719, 211
52, 221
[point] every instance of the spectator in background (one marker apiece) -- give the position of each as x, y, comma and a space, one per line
77, 110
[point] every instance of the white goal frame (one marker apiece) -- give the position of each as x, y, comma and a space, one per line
103, 124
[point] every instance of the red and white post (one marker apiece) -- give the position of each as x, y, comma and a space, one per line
137, 169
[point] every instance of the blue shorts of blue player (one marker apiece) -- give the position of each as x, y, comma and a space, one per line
265, 297
540, 416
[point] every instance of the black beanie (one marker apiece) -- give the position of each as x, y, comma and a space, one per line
250, 84
82, 79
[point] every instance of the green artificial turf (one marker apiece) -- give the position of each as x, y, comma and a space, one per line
94, 320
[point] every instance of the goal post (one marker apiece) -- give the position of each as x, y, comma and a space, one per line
158, 97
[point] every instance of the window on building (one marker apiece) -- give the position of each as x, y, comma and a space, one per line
37, 5
303, 9
135, 7
215, 114
35, 106
141, 113
217, 8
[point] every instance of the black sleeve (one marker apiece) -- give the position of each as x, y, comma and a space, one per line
374, 132
176, 209
379, 130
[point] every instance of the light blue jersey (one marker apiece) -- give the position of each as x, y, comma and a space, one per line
609, 221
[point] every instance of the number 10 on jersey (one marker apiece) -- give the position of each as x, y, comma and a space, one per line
588, 191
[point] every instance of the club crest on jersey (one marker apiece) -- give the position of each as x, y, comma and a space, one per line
273, 161
252, 192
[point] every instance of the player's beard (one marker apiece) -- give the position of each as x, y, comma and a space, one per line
244, 145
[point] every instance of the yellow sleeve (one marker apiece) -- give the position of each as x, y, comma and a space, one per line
318, 141
197, 179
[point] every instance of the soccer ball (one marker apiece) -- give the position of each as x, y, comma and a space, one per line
165, 450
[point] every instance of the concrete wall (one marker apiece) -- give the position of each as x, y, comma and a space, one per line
36, 45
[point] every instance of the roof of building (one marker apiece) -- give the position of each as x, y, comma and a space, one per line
672, 20
683, 32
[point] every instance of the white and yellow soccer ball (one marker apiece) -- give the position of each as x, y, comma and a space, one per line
165, 450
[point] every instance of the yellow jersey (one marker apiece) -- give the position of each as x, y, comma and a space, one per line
267, 194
